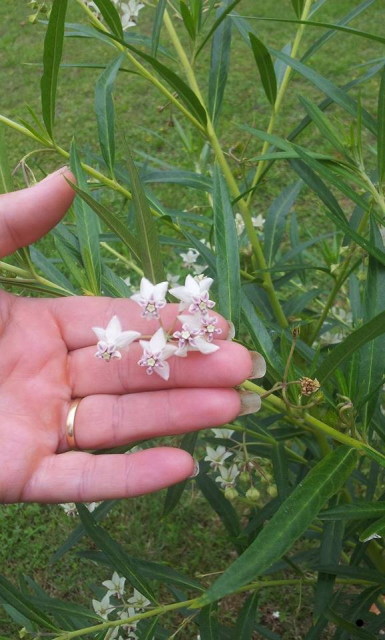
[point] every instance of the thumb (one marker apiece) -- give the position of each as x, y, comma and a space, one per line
28, 214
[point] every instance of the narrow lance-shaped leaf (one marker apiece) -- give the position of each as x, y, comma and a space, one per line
381, 129
245, 623
53, 48
175, 492
227, 252
216, 25
266, 68
22, 604
148, 241
276, 219
104, 109
117, 556
157, 26
339, 96
288, 523
111, 220
111, 16
219, 63
298, 6
187, 19
369, 331
87, 226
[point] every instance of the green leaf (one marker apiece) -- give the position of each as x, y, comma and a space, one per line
53, 48
50, 272
333, 210
183, 90
323, 124
104, 110
266, 68
280, 463
352, 343
148, 242
287, 525
330, 551
111, 16
377, 527
23, 605
227, 256
187, 19
208, 623
216, 24
175, 492
339, 96
276, 220
298, 6
111, 220
6, 182
245, 623
157, 26
219, 64
381, 129
87, 228
260, 338
119, 559
219, 503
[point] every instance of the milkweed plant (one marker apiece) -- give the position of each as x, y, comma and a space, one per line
283, 229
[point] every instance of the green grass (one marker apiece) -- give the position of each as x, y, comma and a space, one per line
192, 539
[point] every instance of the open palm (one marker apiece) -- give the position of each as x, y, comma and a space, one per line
47, 351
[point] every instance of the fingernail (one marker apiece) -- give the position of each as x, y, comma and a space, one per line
196, 469
250, 402
259, 365
231, 333
57, 172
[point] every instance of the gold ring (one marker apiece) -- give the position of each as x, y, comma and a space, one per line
70, 423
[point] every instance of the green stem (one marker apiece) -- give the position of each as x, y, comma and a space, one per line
280, 96
267, 282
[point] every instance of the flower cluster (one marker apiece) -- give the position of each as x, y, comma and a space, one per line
197, 333
129, 11
116, 605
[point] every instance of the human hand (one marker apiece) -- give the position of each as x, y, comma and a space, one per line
48, 348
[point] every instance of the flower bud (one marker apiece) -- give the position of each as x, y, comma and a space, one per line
309, 386
253, 494
231, 493
272, 491
244, 476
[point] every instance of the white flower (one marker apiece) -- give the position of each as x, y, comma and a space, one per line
276, 614
151, 297
258, 221
172, 279
194, 294
239, 224
127, 281
222, 433
189, 258
130, 12
115, 586
228, 476
192, 336
103, 608
91, 506
138, 600
216, 457
69, 508
131, 626
155, 352
198, 269
209, 328
112, 338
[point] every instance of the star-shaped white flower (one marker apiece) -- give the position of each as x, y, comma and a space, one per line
194, 294
192, 336
189, 258
138, 600
228, 476
223, 433
151, 297
112, 338
155, 352
130, 11
103, 607
258, 221
216, 457
115, 586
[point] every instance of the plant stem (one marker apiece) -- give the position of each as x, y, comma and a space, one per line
267, 282
280, 96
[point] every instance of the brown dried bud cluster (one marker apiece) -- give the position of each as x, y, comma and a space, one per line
309, 386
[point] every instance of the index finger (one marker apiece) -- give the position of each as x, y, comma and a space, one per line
78, 314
